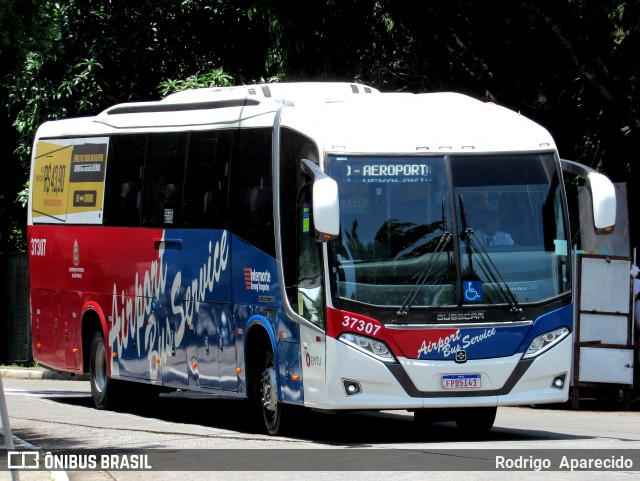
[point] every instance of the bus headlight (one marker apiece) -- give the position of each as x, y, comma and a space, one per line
545, 341
372, 347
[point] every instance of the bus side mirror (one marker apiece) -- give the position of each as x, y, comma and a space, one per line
603, 195
325, 203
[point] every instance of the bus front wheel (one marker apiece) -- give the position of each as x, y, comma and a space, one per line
103, 389
476, 421
273, 411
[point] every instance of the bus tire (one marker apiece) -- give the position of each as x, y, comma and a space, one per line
103, 389
476, 421
274, 412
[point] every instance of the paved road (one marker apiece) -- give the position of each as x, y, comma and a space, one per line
57, 414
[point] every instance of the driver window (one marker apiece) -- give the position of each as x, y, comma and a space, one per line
310, 300
301, 253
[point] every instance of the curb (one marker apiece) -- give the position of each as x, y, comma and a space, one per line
40, 373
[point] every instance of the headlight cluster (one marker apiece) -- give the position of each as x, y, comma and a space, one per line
372, 347
545, 341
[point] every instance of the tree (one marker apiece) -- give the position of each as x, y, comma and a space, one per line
24, 26
92, 54
571, 65
118, 51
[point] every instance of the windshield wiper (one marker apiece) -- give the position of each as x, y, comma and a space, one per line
445, 238
488, 267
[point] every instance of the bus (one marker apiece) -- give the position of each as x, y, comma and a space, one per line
315, 245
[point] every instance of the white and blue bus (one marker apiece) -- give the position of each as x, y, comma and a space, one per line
317, 245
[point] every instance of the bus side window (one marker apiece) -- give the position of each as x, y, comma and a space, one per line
250, 189
163, 180
124, 180
207, 180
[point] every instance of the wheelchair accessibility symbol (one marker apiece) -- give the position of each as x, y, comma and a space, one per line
472, 291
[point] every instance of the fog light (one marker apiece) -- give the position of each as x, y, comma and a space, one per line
351, 387
558, 381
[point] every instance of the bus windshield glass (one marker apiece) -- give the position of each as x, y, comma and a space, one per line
491, 232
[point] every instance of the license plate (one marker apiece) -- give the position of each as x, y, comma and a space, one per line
461, 381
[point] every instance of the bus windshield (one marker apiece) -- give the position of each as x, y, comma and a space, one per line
492, 231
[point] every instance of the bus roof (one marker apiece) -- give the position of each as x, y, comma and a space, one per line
293, 92
418, 123
342, 117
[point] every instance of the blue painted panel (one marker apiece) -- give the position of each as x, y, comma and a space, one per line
199, 286
483, 343
257, 299
254, 276
479, 343
289, 360
548, 322
214, 286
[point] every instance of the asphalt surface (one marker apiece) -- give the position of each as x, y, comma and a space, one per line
37, 373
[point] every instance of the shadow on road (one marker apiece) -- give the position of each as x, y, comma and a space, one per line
343, 428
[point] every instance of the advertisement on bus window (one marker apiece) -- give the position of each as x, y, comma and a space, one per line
68, 181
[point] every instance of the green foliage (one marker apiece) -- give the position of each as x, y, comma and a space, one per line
43, 100
25, 25
23, 196
322, 40
109, 52
215, 78
64, 58
572, 65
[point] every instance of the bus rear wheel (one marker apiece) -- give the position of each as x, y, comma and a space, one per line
103, 389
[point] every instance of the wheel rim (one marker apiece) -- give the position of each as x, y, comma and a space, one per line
269, 389
100, 368
269, 395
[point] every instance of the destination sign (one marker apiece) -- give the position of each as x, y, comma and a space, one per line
383, 170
